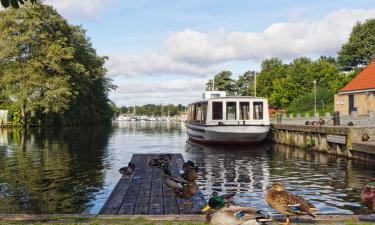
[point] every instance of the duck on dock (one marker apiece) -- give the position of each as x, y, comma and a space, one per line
160, 160
365, 137
190, 174
128, 170
227, 198
217, 214
368, 194
287, 203
187, 191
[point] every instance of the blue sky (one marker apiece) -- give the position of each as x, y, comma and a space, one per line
165, 51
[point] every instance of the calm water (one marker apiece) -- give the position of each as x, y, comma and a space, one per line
74, 170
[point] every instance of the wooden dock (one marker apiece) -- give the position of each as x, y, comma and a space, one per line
144, 193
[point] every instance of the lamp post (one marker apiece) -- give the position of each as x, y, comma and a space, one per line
314, 98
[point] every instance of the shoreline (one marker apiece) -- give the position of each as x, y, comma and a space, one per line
160, 219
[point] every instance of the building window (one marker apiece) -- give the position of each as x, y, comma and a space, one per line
244, 110
217, 110
258, 110
231, 111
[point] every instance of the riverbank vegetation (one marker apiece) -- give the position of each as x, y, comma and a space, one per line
290, 85
49, 72
154, 110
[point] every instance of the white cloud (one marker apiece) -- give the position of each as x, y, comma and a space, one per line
285, 40
81, 7
197, 53
151, 64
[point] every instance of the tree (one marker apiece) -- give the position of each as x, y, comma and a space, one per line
271, 69
14, 3
50, 70
359, 51
245, 83
223, 82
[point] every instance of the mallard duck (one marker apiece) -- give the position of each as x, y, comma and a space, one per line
350, 124
287, 203
368, 194
190, 174
321, 122
187, 191
217, 214
188, 165
160, 160
128, 170
170, 181
227, 198
365, 137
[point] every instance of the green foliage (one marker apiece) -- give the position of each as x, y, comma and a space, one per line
360, 49
296, 79
223, 82
155, 110
49, 70
305, 103
245, 83
271, 69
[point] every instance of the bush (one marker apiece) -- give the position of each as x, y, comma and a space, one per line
305, 103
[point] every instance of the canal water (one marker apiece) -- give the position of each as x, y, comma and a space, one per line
74, 170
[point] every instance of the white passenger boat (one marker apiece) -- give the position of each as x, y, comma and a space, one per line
221, 119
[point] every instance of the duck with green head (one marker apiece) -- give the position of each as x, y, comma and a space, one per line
168, 180
217, 214
286, 203
368, 194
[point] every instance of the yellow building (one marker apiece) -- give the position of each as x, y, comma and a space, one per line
358, 96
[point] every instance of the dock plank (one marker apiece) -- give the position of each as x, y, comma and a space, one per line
128, 205
114, 201
144, 193
156, 200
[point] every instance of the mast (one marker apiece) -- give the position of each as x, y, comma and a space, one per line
255, 84
213, 84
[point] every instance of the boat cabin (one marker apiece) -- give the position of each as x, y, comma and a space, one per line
217, 109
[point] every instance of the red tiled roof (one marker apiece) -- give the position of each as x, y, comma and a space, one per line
363, 81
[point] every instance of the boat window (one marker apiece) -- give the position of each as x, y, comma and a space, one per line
198, 114
258, 110
188, 116
217, 110
244, 110
204, 113
231, 110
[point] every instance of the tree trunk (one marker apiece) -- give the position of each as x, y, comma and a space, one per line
23, 114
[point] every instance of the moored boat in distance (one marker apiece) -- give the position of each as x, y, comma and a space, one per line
221, 119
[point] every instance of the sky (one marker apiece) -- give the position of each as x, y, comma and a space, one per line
164, 51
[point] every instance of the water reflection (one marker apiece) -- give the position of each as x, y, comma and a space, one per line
51, 170
333, 184
74, 170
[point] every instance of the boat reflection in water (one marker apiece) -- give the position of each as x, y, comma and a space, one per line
329, 182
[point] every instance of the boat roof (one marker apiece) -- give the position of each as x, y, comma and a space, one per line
228, 97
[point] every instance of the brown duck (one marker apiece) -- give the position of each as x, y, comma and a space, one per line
287, 203
160, 160
187, 191
368, 194
365, 137
128, 170
190, 174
